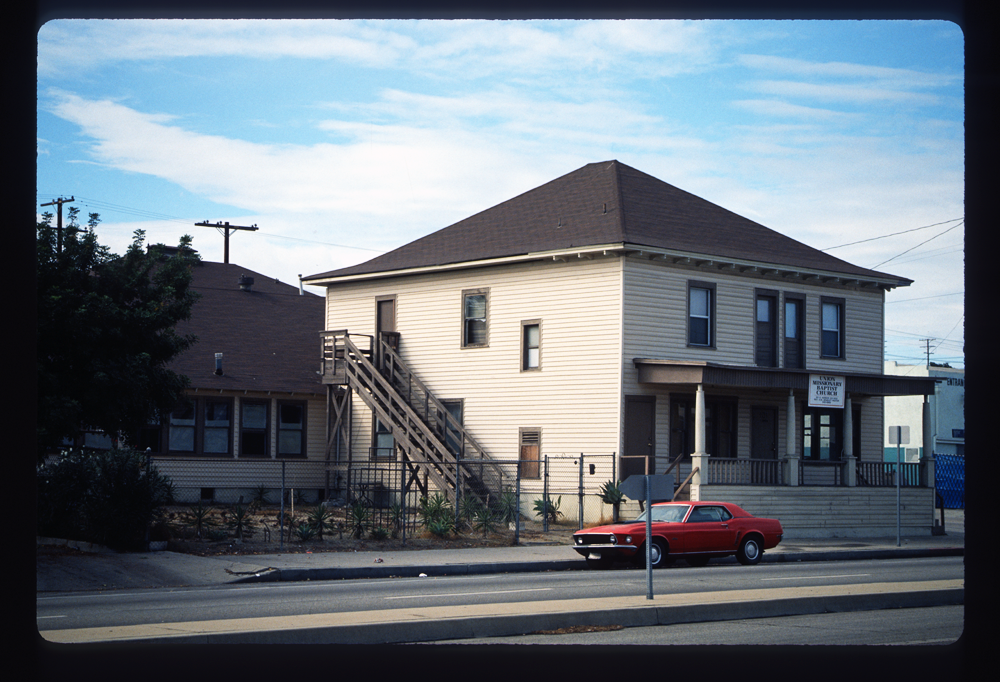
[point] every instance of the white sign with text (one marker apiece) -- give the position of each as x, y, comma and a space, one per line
827, 391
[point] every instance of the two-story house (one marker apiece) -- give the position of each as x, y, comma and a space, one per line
607, 311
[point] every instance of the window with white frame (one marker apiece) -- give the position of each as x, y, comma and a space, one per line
531, 338
701, 314
475, 327
832, 328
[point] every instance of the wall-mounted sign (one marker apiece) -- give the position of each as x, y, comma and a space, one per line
827, 391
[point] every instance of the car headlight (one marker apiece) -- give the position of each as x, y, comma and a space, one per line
628, 539
578, 539
613, 540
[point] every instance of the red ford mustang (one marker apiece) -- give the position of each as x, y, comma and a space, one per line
694, 531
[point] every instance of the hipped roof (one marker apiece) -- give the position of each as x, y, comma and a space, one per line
607, 203
268, 336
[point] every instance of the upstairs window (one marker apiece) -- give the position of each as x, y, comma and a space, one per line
701, 314
832, 328
474, 318
530, 345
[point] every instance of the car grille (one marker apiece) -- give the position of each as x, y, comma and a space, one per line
593, 539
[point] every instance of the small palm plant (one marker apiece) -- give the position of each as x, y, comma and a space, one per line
548, 509
358, 518
611, 494
321, 518
200, 517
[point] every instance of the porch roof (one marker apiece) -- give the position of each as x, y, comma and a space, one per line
694, 372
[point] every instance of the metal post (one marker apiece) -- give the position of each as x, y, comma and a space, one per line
649, 541
517, 507
581, 490
458, 489
899, 445
545, 497
281, 528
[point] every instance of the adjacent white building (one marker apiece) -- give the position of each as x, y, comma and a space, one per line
947, 412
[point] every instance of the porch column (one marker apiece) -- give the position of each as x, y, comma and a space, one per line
699, 456
791, 466
850, 461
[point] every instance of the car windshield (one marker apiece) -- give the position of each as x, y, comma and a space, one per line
669, 513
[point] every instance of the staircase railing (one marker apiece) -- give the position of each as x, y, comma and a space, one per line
422, 426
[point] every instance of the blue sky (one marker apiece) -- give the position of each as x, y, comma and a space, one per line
343, 139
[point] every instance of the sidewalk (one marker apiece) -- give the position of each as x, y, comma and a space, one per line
70, 570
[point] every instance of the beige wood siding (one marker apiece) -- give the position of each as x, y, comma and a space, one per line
655, 322
573, 398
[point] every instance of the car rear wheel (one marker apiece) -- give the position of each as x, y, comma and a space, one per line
750, 551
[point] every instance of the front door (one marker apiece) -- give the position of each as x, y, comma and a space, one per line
640, 424
764, 433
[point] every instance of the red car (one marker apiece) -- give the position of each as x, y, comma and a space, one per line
694, 531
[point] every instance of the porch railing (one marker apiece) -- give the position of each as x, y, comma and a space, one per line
742, 471
883, 474
821, 472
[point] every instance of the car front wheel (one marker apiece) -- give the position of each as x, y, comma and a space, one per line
750, 551
659, 554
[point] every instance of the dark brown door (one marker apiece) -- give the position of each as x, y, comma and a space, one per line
764, 433
640, 424
767, 347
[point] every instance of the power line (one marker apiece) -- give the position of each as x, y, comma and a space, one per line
894, 234
919, 245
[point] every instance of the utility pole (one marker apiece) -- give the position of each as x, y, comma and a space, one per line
58, 203
225, 229
927, 350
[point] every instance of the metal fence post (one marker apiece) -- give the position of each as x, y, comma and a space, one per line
581, 490
281, 529
545, 497
458, 488
517, 507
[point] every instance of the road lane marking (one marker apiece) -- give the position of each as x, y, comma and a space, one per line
469, 594
811, 577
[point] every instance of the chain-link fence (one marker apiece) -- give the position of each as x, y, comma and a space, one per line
399, 498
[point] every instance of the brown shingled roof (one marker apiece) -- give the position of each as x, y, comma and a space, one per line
604, 203
269, 336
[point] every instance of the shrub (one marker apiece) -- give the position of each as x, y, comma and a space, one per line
546, 508
358, 518
106, 497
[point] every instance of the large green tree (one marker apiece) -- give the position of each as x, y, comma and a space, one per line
106, 331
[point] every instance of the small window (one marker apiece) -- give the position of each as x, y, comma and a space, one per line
385, 444
832, 328
530, 345
701, 314
530, 453
474, 318
216, 432
291, 429
254, 440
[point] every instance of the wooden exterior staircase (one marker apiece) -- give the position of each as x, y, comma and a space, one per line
429, 439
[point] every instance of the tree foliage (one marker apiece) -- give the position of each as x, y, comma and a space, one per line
106, 331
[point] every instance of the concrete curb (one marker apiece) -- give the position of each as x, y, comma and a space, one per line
374, 572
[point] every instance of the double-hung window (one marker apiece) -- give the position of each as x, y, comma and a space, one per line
202, 426
531, 339
291, 429
701, 314
832, 327
475, 328
255, 438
